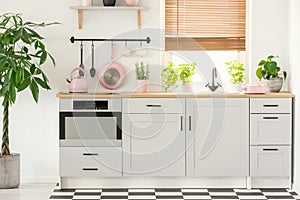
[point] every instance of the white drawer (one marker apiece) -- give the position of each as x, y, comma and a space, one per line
271, 129
270, 161
90, 161
270, 105
154, 105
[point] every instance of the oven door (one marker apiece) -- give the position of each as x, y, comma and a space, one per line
90, 129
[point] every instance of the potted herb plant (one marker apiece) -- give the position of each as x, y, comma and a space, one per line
22, 53
142, 75
186, 72
169, 76
270, 71
236, 71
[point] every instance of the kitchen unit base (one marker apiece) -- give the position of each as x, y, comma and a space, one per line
273, 182
153, 182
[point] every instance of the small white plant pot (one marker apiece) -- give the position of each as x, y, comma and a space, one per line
236, 88
187, 87
142, 85
87, 2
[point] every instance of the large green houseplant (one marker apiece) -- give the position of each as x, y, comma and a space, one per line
22, 53
270, 71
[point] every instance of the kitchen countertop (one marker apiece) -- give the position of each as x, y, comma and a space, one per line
171, 95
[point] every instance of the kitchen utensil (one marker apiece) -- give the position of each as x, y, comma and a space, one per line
81, 60
92, 70
78, 84
112, 75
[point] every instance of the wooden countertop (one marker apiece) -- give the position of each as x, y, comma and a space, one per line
170, 95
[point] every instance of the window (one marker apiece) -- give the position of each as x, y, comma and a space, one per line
205, 24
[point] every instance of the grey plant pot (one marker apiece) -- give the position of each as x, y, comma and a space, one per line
274, 84
10, 171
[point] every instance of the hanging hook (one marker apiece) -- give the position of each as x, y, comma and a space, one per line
141, 43
126, 43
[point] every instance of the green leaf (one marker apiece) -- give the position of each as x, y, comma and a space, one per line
4, 90
32, 68
284, 75
34, 90
12, 94
24, 85
43, 84
43, 57
271, 57
52, 59
259, 73
261, 63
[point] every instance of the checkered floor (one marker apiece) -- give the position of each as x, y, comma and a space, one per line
173, 193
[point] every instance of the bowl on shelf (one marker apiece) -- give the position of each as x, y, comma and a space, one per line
109, 2
131, 2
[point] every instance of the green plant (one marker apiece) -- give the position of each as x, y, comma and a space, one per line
142, 71
186, 71
236, 70
169, 76
269, 69
22, 53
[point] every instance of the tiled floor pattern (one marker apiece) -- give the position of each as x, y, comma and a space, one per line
174, 193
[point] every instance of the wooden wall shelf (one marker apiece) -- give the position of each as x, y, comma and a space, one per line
80, 10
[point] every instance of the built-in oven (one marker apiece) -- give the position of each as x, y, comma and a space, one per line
92, 122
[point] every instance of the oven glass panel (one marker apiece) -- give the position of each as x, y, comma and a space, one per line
89, 128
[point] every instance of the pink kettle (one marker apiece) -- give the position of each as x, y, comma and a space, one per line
78, 84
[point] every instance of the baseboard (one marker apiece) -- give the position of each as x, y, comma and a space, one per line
39, 180
154, 182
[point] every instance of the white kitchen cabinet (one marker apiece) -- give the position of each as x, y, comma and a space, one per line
90, 161
270, 161
153, 144
271, 137
217, 137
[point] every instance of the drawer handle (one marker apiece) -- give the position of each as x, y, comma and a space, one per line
270, 149
90, 154
153, 106
271, 106
90, 169
270, 118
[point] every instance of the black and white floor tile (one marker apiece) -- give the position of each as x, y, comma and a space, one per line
173, 193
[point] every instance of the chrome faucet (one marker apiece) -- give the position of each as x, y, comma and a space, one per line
213, 87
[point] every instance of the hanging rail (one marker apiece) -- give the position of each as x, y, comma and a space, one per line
148, 40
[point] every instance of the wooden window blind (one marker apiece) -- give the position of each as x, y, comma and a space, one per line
205, 24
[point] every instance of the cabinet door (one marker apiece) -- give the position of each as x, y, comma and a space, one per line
153, 145
217, 138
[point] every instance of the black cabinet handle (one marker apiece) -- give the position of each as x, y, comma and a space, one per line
90, 169
271, 105
90, 154
270, 149
270, 118
153, 106
190, 123
181, 123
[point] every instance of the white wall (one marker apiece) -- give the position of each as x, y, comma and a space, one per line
268, 33
34, 127
294, 50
